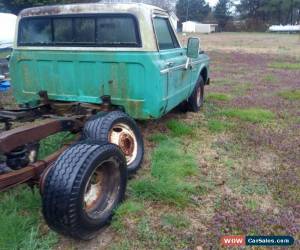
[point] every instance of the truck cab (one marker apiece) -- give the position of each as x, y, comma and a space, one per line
83, 52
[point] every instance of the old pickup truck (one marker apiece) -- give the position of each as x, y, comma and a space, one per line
92, 69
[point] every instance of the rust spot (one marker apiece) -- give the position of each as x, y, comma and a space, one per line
135, 108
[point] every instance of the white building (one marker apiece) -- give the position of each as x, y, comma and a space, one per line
7, 29
285, 28
195, 27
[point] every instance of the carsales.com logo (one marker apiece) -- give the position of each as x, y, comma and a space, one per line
241, 240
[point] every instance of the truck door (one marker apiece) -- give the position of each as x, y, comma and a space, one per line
174, 59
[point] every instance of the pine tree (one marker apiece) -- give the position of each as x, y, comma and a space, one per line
192, 10
222, 13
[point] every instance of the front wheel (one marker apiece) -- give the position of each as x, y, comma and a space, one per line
83, 188
196, 100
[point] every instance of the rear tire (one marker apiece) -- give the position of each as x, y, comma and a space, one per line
196, 100
83, 188
118, 128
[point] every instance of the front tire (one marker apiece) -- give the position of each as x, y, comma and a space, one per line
83, 188
196, 100
118, 128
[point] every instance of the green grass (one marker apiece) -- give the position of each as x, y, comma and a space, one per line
291, 95
53, 143
251, 204
218, 97
179, 128
158, 190
270, 79
175, 220
171, 163
221, 82
150, 237
254, 115
170, 168
217, 126
126, 209
158, 137
285, 65
242, 88
247, 186
20, 221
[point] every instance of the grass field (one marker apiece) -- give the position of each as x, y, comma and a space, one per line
232, 169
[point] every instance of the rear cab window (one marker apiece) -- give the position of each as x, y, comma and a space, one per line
166, 38
102, 30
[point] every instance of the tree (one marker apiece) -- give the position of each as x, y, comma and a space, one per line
270, 11
192, 10
222, 13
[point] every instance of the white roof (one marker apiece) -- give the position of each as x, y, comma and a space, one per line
90, 8
213, 24
7, 29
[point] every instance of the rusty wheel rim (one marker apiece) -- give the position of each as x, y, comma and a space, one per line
199, 96
93, 190
102, 188
123, 136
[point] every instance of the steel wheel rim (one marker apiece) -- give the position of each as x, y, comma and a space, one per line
123, 136
101, 189
93, 190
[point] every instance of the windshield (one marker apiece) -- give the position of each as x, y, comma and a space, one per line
104, 30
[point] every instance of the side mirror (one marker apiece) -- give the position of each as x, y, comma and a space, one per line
193, 47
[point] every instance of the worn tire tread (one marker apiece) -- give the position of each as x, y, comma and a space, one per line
62, 186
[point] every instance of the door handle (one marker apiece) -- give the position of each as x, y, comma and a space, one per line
170, 64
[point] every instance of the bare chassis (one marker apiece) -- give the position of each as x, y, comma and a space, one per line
51, 118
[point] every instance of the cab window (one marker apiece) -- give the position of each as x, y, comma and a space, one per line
103, 30
165, 35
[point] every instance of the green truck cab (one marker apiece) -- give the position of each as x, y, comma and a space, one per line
127, 52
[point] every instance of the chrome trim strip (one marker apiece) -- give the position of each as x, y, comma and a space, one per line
196, 62
182, 66
167, 70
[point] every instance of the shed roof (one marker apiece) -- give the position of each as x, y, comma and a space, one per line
212, 24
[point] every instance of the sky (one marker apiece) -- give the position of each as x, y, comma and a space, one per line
212, 2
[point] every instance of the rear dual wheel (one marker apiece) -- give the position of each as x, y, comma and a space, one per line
83, 188
118, 128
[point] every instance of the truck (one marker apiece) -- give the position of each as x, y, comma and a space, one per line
93, 70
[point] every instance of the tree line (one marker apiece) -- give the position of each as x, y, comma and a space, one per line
229, 14
259, 13
250, 15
